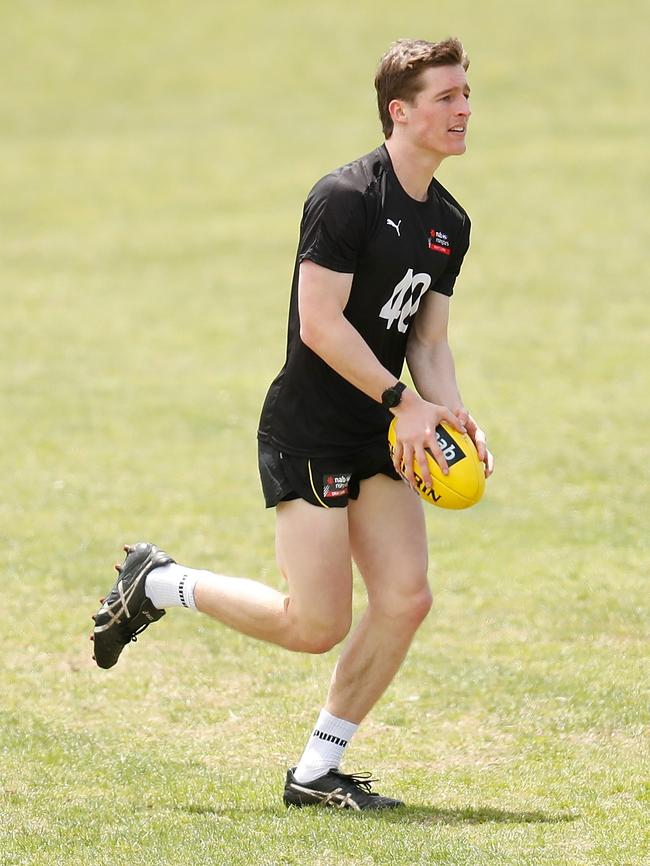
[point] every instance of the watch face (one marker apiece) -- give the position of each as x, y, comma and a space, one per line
391, 397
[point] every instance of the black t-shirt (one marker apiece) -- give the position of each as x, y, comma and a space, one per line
359, 220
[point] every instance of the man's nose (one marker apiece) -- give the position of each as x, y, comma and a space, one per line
462, 107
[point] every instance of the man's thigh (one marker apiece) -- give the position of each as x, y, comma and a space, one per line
388, 538
313, 554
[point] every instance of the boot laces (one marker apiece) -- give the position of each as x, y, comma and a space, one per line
134, 636
361, 781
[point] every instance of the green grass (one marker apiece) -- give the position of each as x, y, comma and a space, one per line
153, 162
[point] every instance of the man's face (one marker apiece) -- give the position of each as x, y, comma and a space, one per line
437, 118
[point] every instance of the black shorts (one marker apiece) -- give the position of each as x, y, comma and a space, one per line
328, 482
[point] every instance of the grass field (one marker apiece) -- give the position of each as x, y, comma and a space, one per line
153, 162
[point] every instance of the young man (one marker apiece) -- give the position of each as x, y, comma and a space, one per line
381, 245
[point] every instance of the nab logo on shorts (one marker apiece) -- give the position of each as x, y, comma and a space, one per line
335, 485
452, 452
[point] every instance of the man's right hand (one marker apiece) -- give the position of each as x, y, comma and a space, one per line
415, 433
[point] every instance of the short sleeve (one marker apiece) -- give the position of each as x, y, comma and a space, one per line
333, 227
445, 283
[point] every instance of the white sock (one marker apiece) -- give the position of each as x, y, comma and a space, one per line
325, 747
172, 586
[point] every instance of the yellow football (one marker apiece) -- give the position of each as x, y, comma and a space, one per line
464, 485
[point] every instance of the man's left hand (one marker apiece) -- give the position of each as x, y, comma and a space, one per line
478, 438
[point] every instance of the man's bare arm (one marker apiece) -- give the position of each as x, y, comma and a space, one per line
322, 296
431, 363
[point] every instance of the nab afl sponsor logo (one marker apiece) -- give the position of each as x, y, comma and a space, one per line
439, 242
451, 450
335, 485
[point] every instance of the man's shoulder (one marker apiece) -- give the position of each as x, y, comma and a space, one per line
355, 178
341, 213
454, 206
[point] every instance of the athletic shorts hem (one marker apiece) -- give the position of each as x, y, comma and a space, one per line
326, 482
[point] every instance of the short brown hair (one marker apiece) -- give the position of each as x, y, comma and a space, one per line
399, 70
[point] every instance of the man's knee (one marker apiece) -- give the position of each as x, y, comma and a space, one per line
410, 608
420, 605
320, 637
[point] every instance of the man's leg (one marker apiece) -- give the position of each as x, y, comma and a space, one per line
312, 616
313, 554
388, 541
389, 545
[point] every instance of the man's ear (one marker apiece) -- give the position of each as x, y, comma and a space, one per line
397, 108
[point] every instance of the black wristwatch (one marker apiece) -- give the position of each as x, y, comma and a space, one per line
392, 396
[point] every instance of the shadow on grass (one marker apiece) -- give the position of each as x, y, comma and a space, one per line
403, 815
470, 815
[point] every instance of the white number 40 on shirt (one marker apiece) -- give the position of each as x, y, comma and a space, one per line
405, 300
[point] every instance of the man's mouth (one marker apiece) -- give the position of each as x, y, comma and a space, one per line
459, 128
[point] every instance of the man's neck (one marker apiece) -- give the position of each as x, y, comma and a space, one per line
414, 167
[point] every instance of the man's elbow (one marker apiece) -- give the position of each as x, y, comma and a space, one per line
312, 332
424, 345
